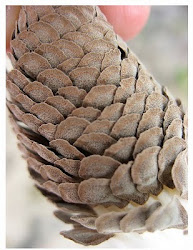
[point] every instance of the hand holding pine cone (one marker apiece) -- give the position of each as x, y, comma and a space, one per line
96, 129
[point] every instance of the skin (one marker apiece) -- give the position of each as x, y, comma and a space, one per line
127, 21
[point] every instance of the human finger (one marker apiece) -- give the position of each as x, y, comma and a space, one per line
127, 20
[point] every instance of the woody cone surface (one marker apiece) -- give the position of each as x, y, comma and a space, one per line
94, 126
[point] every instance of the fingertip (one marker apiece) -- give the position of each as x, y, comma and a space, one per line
12, 13
127, 20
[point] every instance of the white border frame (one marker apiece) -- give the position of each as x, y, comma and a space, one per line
189, 3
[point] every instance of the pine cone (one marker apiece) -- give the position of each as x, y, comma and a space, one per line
94, 125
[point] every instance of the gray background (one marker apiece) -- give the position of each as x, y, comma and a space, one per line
162, 47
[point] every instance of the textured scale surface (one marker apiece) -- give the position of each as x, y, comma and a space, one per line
95, 127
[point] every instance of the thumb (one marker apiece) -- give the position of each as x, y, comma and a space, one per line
12, 13
127, 20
